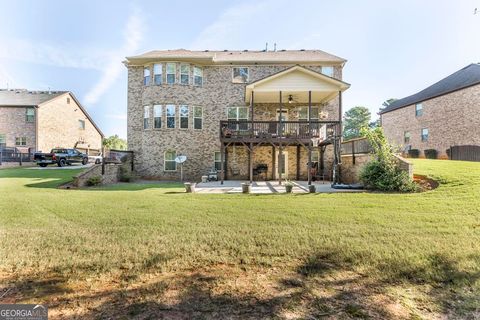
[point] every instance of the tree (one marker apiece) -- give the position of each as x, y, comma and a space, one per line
385, 104
355, 119
115, 142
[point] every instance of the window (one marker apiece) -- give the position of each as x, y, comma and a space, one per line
197, 76
328, 71
424, 134
170, 116
81, 124
239, 114
217, 161
197, 117
184, 74
169, 163
21, 141
3, 138
171, 71
146, 116
157, 116
406, 137
157, 73
183, 117
30, 115
146, 76
418, 109
240, 75
303, 114
315, 156
68, 100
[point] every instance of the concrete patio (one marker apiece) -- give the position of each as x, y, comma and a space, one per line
266, 187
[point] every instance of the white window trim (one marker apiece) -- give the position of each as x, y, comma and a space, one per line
174, 116
421, 134
146, 107
233, 74
193, 116
421, 109
188, 74
161, 116
149, 67
166, 73
165, 161
215, 160
161, 74
180, 116
203, 76
238, 119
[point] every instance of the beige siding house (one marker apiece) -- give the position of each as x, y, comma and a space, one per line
41, 120
256, 115
443, 115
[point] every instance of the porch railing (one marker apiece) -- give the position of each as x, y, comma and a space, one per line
244, 129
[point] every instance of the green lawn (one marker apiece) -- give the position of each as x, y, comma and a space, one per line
149, 249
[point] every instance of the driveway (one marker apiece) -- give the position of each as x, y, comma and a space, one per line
55, 167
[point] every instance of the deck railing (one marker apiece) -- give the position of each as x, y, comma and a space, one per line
244, 129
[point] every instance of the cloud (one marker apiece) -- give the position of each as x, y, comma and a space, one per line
117, 116
113, 69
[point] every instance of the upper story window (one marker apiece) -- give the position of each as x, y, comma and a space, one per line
81, 124
171, 73
157, 73
68, 100
170, 116
21, 141
184, 74
197, 117
30, 115
157, 116
425, 134
146, 76
328, 71
303, 113
183, 117
239, 114
406, 137
418, 109
240, 75
197, 76
169, 163
146, 116
3, 138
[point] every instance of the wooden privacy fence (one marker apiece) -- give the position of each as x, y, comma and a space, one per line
465, 153
356, 146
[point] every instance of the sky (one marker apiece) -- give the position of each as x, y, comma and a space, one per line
393, 48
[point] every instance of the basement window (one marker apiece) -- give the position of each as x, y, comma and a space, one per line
169, 163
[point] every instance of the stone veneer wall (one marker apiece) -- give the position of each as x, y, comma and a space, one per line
215, 96
112, 174
451, 119
13, 124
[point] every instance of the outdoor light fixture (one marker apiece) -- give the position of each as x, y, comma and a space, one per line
290, 98
323, 114
330, 131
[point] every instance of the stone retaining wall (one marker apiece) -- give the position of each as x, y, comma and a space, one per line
112, 174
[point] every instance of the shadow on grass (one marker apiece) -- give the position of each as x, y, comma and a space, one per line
204, 295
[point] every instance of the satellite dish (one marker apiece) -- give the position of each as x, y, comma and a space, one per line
181, 159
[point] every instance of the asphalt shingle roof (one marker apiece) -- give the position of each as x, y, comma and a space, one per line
15, 97
466, 77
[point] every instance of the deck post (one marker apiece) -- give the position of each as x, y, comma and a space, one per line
340, 114
280, 132
310, 112
250, 162
251, 113
309, 164
298, 162
273, 162
222, 171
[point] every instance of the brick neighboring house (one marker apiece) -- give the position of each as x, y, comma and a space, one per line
248, 114
443, 115
41, 120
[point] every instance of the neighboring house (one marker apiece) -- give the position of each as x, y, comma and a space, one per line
42, 120
255, 114
443, 115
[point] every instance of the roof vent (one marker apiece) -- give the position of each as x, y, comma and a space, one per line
225, 50
206, 50
283, 50
245, 50
302, 49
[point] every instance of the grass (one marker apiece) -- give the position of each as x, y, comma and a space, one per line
156, 251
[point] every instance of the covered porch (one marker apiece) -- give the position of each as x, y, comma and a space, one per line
294, 112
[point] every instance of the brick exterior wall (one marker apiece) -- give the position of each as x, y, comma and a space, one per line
451, 119
215, 96
58, 126
13, 124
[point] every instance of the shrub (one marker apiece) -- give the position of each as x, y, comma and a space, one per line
414, 153
448, 151
125, 175
382, 173
94, 181
430, 153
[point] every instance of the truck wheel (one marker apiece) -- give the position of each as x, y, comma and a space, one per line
61, 163
85, 161
43, 165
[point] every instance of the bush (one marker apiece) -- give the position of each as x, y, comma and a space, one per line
448, 151
430, 153
125, 174
382, 173
94, 181
414, 153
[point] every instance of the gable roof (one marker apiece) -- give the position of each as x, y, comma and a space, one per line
237, 56
22, 97
463, 78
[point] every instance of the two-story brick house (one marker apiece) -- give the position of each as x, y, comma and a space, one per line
254, 114
42, 120
443, 115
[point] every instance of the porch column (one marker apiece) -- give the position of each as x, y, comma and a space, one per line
273, 162
298, 162
250, 162
251, 113
340, 114
309, 175
222, 166
310, 111
280, 132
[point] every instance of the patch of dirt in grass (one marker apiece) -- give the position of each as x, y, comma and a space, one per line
425, 183
217, 292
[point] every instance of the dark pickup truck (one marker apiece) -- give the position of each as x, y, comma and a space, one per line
61, 157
